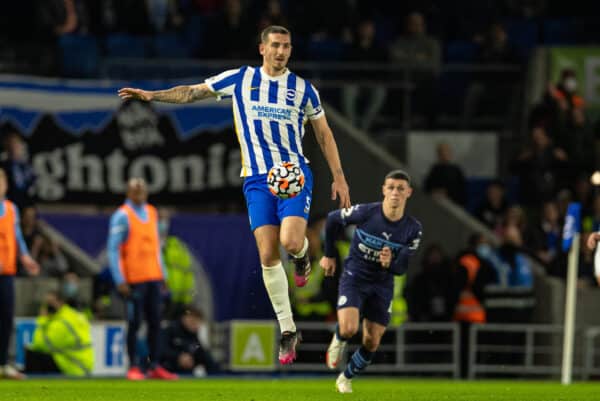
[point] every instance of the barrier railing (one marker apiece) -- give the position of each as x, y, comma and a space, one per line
413, 348
516, 349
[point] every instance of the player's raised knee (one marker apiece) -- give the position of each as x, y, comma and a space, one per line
292, 245
348, 330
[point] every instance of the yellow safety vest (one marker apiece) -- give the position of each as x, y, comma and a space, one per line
67, 336
181, 281
399, 308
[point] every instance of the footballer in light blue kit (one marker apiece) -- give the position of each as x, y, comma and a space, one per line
384, 239
270, 106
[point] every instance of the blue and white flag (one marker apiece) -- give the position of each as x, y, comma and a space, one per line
572, 225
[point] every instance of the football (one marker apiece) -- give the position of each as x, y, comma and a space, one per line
285, 180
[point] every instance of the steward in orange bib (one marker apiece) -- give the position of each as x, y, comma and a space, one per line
12, 246
137, 268
473, 274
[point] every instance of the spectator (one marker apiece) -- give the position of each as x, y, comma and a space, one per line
164, 15
363, 50
432, 294
52, 261
130, 16
20, 174
473, 274
183, 351
320, 20
510, 299
541, 169
491, 92
446, 178
583, 191
562, 112
516, 269
545, 243
419, 54
272, 15
514, 216
237, 37
29, 227
70, 291
415, 47
62, 340
52, 19
491, 211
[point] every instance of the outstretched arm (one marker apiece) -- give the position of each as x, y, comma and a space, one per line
177, 94
339, 187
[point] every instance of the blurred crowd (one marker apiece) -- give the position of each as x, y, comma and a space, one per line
525, 208
495, 39
527, 205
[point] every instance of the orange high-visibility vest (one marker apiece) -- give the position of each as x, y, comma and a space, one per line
469, 309
8, 241
577, 100
139, 254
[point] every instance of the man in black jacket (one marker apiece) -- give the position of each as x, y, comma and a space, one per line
183, 352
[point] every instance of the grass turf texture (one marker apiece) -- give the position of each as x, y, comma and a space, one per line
313, 389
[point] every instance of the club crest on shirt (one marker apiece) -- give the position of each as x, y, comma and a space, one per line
290, 95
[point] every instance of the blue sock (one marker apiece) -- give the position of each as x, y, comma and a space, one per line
359, 361
338, 335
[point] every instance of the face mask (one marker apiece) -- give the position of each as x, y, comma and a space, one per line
70, 290
51, 309
483, 250
570, 84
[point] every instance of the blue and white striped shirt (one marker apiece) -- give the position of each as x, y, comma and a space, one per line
269, 114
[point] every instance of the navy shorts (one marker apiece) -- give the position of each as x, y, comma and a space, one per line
264, 208
373, 299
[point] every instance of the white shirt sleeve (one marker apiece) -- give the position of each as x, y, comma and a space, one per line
597, 261
224, 83
313, 108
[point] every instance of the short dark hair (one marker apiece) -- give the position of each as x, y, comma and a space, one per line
192, 310
56, 294
398, 175
264, 35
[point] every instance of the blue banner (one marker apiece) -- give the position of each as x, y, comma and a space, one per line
572, 225
223, 244
84, 142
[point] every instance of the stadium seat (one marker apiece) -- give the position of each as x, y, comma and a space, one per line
523, 33
325, 49
194, 32
476, 190
453, 83
123, 45
170, 45
460, 51
559, 31
79, 56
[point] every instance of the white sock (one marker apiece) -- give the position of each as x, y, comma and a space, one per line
302, 251
276, 284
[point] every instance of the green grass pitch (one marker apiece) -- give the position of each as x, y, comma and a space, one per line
307, 388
